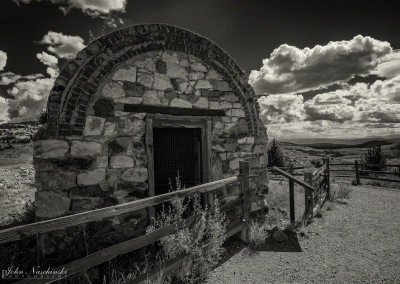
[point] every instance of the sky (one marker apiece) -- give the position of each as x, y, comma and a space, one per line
326, 69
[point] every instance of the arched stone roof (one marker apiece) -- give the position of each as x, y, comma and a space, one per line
78, 81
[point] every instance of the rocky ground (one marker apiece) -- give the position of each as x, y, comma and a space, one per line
356, 242
16, 188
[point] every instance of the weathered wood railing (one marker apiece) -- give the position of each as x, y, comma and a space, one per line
316, 190
358, 171
80, 265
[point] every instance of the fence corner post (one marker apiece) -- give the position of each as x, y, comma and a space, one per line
328, 178
308, 196
291, 196
244, 189
357, 172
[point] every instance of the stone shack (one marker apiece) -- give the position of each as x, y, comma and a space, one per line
135, 107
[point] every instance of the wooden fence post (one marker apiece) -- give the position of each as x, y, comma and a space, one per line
291, 196
244, 189
309, 198
357, 172
328, 178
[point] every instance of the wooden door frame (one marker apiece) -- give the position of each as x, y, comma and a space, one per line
166, 120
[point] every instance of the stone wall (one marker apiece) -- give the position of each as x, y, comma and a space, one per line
106, 164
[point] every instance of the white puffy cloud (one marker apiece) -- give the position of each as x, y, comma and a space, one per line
7, 78
3, 60
389, 65
51, 61
290, 69
30, 97
3, 110
63, 46
281, 108
93, 8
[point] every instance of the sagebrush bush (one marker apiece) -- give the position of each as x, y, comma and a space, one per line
340, 191
202, 240
258, 232
376, 156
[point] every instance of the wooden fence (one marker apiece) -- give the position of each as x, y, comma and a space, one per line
316, 190
360, 173
81, 265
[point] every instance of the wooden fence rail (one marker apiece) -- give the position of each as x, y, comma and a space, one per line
80, 265
317, 190
359, 172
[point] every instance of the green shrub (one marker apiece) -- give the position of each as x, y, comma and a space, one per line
209, 228
275, 156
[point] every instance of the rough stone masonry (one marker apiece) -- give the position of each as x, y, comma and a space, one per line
91, 153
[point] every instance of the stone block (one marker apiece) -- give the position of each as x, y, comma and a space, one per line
201, 103
134, 89
146, 63
146, 80
260, 149
50, 148
196, 75
220, 85
48, 180
102, 162
263, 160
103, 108
151, 97
197, 66
135, 175
212, 74
162, 82
94, 125
125, 74
176, 71
180, 103
121, 162
83, 148
234, 164
113, 90
161, 67
92, 177
132, 126
203, 84
50, 204
110, 129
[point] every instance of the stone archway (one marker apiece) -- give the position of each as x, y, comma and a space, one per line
95, 149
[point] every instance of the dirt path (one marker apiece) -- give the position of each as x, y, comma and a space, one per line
354, 243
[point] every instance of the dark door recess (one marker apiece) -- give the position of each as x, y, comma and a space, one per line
176, 149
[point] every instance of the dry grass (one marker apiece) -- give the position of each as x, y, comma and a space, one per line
340, 191
257, 233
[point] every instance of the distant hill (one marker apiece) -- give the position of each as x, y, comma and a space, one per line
341, 141
367, 144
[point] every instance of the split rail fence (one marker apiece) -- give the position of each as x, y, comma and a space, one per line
361, 173
316, 189
99, 257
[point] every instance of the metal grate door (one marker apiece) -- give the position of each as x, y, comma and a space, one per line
176, 149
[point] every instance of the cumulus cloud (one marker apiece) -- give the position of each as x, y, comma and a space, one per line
389, 65
3, 60
94, 8
7, 78
281, 108
290, 69
30, 97
50, 61
63, 46
3, 110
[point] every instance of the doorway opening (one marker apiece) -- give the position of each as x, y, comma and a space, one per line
177, 151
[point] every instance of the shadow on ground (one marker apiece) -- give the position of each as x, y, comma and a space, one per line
291, 245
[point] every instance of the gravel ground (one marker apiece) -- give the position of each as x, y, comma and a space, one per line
358, 242
16, 188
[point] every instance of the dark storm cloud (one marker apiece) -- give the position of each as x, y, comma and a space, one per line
290, 69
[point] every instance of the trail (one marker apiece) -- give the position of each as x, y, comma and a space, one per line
354, 243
